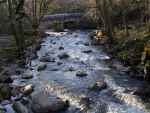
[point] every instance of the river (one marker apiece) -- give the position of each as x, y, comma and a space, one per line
60, 78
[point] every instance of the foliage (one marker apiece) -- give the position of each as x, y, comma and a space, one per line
57, 26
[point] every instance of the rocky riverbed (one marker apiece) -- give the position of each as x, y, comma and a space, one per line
71, 75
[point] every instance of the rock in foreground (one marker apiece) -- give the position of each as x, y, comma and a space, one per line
98, 86
45, 103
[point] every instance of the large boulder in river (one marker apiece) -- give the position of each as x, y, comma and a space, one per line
28, 89
46, 103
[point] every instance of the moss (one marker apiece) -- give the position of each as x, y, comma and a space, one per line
57, 26
5, 91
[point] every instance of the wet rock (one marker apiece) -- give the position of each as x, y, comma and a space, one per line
5, 79
34, 56
47, 59
70, 68
99, 85
18, 71
54, 69
46, 103
87, 51
75, 35
41, 66
61, 48
143, 92
27, 75
20, 108
25, 100
86, 44
85, 101
5, 92
2, 110
38, 47
63, 56
81, 74
59, 63
27, 90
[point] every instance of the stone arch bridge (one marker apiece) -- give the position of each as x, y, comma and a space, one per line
64, 18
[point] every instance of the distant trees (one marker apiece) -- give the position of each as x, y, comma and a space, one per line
19, 13
35, 11
104, 13
16, 12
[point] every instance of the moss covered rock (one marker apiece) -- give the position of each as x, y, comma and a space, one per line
5, 92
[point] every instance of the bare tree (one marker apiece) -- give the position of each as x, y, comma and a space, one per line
104, 12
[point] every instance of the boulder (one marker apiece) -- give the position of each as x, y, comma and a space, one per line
46, 103
142, 92
87, 51
5, 92
61, 48
59, 63
27, 90
86, 44
47, 59
37, 47
98, 86
19, 107
63, 56
41, 67
5, 79
81, 74
27, 75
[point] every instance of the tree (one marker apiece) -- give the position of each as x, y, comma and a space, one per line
16, 11
35, 11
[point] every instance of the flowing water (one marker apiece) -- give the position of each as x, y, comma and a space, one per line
60, 77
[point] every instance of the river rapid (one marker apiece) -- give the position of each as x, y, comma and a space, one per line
60, 76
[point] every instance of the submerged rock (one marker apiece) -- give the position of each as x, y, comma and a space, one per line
99, 85
47, 59
61, 48
41, 66
63, 56
87, 51
81, 74
27, 75
46, 103
59, 63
